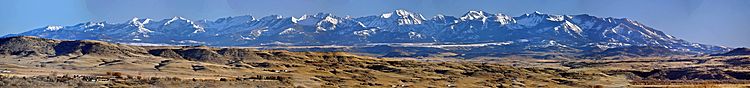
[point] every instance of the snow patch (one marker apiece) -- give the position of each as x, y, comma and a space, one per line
573, 27
414, 35
94, 24
190, 41
295, 20
53, 28
288, 31
386, 15
556, 18
361, 25
258, 32
365, 32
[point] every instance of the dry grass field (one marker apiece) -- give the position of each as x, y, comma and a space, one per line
33, 62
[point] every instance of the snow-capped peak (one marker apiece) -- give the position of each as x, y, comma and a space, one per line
535, 13
177, 18
395, 26
328, 23
241, 18
138, 21
182, 21
332, 20
404, 17
475, 15
401, 12
532, 19
504, 19
303, 17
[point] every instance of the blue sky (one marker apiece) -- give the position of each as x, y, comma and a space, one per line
717, 22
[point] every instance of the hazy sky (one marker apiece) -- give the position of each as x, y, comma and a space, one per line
718, 22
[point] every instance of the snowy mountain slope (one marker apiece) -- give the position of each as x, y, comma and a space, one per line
538, 30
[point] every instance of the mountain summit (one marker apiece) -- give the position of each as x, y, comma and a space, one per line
525, 32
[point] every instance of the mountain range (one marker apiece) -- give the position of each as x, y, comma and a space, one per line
532, 31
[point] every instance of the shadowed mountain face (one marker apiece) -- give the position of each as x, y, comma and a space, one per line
580, 32
635, 51
735, 52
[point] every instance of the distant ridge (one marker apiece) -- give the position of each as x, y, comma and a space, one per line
735, 52
527, 32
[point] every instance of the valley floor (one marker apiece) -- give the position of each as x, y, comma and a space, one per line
311, 69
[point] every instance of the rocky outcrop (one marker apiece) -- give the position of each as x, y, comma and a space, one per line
240, 54
26, 45
167, 53
98, 48
221, 56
